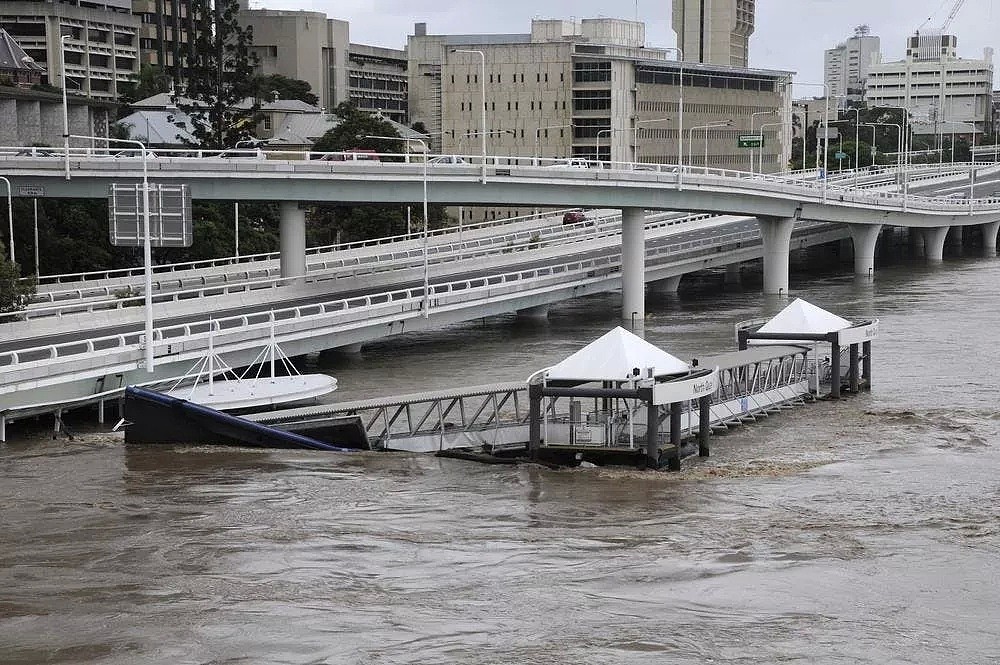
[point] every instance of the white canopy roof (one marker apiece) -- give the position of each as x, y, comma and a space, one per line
612, 357
801, 317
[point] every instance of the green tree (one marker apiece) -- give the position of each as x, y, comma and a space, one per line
14, 291
151, 80
287, 88
220, 77
353, 128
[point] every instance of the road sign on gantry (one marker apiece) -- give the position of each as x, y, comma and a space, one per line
170, 222
750, 141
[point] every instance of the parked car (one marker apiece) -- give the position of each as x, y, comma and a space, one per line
352, 155
571, 163
446, 159
36, 152
239, 153
574, 217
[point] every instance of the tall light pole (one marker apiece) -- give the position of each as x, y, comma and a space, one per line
766, 124
680, 115
752, 116
10, 217
826, 118
482, 87
720, 123
34, 205
65, 104
427, 298
147, 245
904, 132
857, 140
538, 130
635, 134
872, 125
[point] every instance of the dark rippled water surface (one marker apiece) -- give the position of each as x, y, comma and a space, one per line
864, 531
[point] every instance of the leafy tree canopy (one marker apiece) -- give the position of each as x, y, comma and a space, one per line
287, 88
352, 130
220, 77
152, 80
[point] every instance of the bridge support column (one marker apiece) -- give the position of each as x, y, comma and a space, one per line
733, 274
668, 285
777, 235
537, 313
292, 228
633, 265
865, 237
934, 242
990, 231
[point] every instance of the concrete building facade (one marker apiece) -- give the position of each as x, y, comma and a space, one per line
590, 89
102, 48
936, 85
165, 35
847, 65
715, 31
30, 117
310, 47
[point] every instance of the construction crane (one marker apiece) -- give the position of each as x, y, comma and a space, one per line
951, 16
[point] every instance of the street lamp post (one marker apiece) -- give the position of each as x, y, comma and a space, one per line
482, 85
721, 123
65, 104
427, 299
10, 217
537, 132
766, 124
903, 142
680, 115
635, 135
872, 151
34, 205
147, 245
857, 140
826, 118
752, 116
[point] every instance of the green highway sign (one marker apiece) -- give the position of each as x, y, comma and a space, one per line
751, 141
841, 155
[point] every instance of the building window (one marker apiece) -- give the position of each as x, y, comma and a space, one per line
538, 78
267, 122
587, 71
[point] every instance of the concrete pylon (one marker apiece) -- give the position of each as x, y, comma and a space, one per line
668, 285
990, 235
934, 242
777, 235
292, 242
865, 238
536, 313
633, 265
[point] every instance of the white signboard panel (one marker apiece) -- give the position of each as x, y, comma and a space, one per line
858, 334
681, 391
170, 223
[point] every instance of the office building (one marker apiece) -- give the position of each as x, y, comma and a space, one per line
102, 46
165, 36
715, 32
591, 89
936, 85
846, 67
310, 47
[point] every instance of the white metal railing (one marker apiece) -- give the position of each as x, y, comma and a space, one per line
335, 269
369, 308
298, 162
470, 227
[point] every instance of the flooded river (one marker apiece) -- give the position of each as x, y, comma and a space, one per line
864, 531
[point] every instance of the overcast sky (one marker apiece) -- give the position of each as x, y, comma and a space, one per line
790, 34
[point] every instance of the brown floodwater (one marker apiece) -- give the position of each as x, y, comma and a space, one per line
861, 531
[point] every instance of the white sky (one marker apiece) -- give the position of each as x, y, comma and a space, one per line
790, 34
